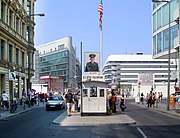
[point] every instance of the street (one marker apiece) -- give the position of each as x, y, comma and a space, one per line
153, 123
37, 123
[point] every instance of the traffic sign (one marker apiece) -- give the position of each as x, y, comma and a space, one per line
12, 75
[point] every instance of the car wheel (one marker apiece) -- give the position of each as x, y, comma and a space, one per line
47, 108
61, 107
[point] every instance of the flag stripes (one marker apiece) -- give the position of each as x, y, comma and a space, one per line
100, 10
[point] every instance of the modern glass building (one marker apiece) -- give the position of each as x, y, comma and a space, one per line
58, 58
160, 28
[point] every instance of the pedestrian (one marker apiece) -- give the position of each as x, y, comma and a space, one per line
79, 101
122, 103
160, 96
68, 99
73, 103
5, 98
76, 101
109, 100
113, 100
172, 101
142, 98
153, 100
43, 99
149, 99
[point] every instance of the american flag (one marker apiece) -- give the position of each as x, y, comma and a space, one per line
100, 10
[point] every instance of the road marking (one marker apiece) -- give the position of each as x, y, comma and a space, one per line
142, 133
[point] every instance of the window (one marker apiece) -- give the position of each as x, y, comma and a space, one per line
22, 59
158, 18
174, 35
2, 11
158, 3
23, 3
159, 43
101, 93
154, 45
10, 53
28, 7
154, 22
23, 30
2, 49
174, 8
165, 40
11, 18
17, 24
154, 5
85, 93
93, 91
165, 15
27, 32
17, 56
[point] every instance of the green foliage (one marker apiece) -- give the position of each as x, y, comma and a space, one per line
118, 86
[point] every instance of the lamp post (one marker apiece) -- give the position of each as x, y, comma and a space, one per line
169, 48
29, 47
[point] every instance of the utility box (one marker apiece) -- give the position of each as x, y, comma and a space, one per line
94, 93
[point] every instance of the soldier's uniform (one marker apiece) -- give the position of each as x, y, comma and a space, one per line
90, 67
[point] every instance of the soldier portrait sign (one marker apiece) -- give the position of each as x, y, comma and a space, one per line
91, 62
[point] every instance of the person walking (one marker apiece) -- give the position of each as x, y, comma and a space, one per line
142, 98
79, 102
68, 99
109, 101
122, 103
73, 103
153, 100
5, 98
113, 100
149, 99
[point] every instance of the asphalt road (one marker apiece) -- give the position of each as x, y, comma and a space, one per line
37, 123
153, 124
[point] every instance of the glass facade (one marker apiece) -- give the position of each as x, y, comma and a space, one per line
161, 26
55, 64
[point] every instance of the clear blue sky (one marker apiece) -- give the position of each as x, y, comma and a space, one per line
127, 24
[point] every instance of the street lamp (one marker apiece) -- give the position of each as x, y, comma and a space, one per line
29, 46
169, 48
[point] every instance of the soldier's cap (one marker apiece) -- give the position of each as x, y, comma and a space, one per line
92, 55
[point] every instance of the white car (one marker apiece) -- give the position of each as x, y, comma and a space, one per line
55, 102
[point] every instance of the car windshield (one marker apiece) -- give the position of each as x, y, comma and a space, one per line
55, 98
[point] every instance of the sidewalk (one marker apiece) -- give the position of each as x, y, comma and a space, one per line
20, 109
162, 107
77, 120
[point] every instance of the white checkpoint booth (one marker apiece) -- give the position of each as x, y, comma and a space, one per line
94, 94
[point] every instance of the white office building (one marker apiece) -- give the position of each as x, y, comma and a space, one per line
58, 58
139, 73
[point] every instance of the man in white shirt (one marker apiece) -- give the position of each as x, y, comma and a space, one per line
5, 98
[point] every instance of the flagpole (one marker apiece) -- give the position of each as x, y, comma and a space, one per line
100, 10
100, 49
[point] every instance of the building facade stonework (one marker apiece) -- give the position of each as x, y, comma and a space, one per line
14, 45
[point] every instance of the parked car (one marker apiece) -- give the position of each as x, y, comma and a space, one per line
55, 102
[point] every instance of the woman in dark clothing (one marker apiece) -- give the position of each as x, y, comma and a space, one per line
113, 100
122, 104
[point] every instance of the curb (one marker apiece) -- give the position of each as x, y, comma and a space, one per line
17, 113
60, 118
63, 120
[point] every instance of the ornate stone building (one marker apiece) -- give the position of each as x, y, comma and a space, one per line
14, 42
